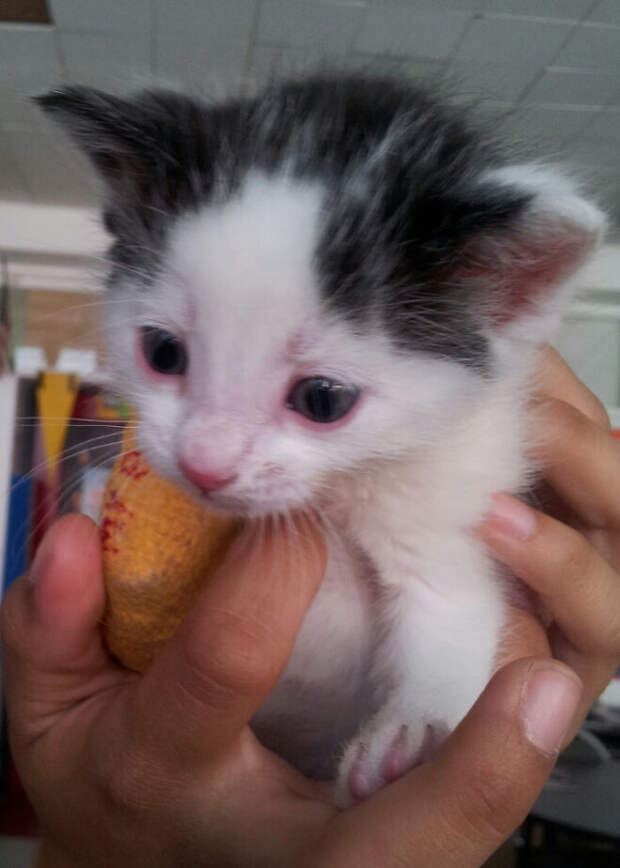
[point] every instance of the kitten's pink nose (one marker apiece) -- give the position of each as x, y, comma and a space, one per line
203, 479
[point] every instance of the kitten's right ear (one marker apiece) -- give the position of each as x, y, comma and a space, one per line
112, 132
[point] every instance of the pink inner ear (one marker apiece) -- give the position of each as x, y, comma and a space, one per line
519, 271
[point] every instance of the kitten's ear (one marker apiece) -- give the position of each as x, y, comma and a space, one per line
529, 264
114, 133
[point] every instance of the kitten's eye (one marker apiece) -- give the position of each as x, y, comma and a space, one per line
322, 400
163, 352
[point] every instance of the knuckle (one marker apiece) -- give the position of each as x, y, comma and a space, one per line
604, 638
565, 419
234, 657
489, 809
575, 555
599, 413
563, 559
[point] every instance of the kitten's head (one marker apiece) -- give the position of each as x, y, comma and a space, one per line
319, 278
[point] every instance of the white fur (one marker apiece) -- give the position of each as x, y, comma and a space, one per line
405, 627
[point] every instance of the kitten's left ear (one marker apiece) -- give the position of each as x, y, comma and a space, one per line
117, 135
140, 146
527, 267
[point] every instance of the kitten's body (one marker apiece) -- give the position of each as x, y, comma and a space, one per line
359, 232
436, 584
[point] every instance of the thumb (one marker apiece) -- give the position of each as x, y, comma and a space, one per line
458, 809
53, 653
227, 655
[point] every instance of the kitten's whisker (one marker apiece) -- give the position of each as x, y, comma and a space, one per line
68, 487
102, 302
96, 420
71, 452
70, 426
65, 489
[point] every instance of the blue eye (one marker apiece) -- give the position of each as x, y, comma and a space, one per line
163, 352
322, 400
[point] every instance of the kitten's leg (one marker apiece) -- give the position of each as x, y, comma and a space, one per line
441, 636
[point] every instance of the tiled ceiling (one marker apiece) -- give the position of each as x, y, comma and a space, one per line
550, 69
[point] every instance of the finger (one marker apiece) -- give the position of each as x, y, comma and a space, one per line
555, 379
578, 587
53, 651
456, 810
582, 463
576, 584
522, 636
227, 656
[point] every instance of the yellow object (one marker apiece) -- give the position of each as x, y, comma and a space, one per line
55, 400
160, 548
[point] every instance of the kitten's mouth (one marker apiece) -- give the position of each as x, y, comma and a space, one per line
230, 504
226, 503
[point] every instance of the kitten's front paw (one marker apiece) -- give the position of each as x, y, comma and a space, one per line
382, 752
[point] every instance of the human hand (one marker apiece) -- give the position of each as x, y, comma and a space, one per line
569, 554
162, 770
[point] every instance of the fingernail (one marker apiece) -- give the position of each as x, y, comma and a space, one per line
511, 517
549, 703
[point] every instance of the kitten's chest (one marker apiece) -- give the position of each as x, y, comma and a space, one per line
326, 689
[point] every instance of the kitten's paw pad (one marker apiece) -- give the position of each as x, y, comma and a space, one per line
382, 754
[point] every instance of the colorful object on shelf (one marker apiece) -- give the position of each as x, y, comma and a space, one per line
56, 394
160, 548
18, 528
106, 406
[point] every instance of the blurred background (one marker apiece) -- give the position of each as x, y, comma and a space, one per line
547, 71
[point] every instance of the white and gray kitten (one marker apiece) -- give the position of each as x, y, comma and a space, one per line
334, 293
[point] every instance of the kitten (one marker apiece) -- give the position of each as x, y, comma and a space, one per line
333, 296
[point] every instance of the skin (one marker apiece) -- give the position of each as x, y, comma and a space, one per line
162, 769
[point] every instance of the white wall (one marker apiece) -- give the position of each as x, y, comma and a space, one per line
50, 229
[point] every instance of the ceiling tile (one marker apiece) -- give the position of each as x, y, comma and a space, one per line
573, 9
12, 181
576, 86
516, 41
594, 154
202, 46
606, 12
606, 184
216, 71
274, 62
53, 169
121, 16
592, 45
333, 27
271, 62
605, 126
195, 22
28, 58
119, 64
405, 30
454, 5
17, 110
422, 70
546, 129
496, 81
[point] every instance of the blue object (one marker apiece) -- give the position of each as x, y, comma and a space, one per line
18, 528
